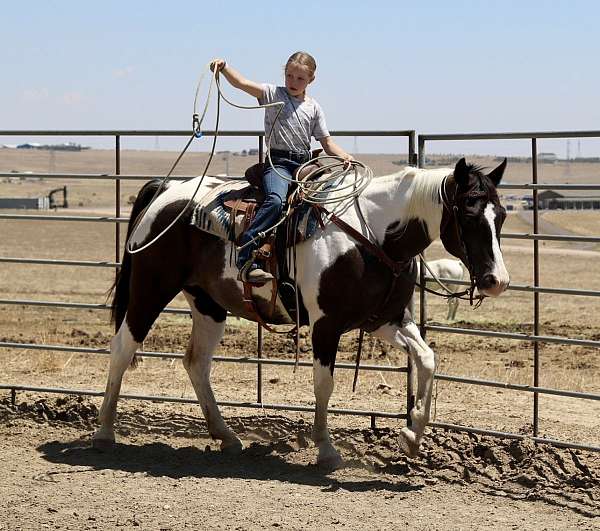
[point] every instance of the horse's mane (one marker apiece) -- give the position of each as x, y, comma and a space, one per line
427, 183
424, 190
425, 195
476, 170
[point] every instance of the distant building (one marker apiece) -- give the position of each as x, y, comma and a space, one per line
65, 146
548, 158
30, 203
551, 200
29, 145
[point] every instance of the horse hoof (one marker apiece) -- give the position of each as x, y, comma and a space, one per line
408, 442
232, 447
332, 461
103, 445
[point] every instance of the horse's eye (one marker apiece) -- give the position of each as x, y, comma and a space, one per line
471, 202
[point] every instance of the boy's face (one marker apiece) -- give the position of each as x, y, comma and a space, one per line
297, 78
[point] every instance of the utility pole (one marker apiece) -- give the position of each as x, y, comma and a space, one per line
52, 161
226, 159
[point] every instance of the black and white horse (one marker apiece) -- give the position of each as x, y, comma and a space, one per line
343, 285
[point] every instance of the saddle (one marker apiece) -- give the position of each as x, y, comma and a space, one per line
247, 201
228, 210
273, 252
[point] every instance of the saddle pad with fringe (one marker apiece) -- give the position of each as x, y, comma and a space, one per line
212, 214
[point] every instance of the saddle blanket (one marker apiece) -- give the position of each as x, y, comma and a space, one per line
212, 215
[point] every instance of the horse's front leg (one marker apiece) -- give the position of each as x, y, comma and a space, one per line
407, 336
325, 340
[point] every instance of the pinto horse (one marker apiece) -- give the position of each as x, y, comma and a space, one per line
343, 284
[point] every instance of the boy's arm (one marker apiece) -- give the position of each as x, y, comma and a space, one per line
331, 148
236, 79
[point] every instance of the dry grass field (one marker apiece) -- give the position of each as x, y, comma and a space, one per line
374, 475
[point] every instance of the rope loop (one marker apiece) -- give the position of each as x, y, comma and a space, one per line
196, 126
346, 190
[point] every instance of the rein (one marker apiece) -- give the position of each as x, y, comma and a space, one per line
395, 267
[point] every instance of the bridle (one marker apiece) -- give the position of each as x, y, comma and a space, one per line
453, 211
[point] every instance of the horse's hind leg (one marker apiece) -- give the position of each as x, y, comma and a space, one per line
145, 302
207, 331
122, 350
452, 307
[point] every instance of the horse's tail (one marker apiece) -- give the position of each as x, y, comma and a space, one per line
120, 288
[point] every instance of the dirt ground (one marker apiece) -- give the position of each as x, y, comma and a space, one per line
166, 473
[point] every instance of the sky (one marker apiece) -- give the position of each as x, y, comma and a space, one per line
433, 66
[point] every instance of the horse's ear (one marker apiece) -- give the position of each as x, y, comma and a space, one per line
461, 173
496, 174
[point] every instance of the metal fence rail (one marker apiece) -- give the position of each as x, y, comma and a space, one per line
259, 361
291, 363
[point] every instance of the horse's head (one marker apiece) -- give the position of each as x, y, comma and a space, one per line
473, 217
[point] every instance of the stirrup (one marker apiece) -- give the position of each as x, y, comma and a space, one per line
243, 272
262, 276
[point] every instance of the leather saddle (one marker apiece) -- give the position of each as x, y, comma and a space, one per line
272, 254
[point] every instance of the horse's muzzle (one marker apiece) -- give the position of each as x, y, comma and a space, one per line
492, 286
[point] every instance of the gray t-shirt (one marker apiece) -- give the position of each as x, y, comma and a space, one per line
298, 121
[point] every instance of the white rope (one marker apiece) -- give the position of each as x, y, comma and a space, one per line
435, 277
311, 192
338, 168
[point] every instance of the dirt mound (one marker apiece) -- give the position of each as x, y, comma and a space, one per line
518, 469
73, 409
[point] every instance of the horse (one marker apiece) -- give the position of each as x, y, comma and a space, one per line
343, 283
445, 268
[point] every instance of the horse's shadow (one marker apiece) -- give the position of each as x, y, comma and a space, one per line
158, 459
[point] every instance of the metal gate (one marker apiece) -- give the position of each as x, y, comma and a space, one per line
259, 360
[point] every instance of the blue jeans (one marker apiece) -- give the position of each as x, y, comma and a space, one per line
268, 214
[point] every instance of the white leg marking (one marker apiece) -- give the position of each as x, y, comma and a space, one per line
452, 307
122, 350
409, 338
323, 383
206, 335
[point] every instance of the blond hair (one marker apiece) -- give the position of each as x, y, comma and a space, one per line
302, 59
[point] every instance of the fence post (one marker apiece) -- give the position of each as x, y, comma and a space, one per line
412, 155
259, 342
259, 345
536, 295
117, 197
